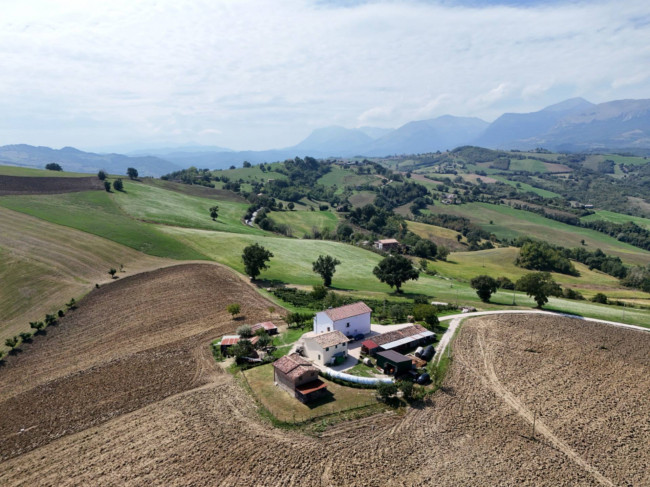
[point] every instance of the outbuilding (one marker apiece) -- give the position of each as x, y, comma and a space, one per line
298, 377
267, 326
393, 363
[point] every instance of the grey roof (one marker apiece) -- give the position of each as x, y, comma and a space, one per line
394, 357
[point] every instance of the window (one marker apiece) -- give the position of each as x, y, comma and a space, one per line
327, 349
347, 325
319, 356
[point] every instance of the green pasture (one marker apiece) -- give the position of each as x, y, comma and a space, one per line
511, 223
526, 187
613, 217
342, 177
362, 198
157, 205
302, 222
528, 165
42, 173
97, 213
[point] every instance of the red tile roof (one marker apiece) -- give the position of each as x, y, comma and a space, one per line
267, 325
234, 339
369, 344
293, 366
348, 311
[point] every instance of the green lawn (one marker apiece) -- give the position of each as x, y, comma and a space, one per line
96, 212
287, 408
43, 173
610, 216
511, 223
157, 205
251, 173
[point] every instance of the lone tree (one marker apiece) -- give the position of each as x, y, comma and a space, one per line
325, 265
53, 166
214, 212
485, 287
132, 172
107, 186
255, 258
539, 285
101, 174
395, 270
118, 185
291, 205
112, 272
233, 309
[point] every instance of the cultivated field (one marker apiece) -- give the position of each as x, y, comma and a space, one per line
47, 185
43, 265
129, 344
191, 425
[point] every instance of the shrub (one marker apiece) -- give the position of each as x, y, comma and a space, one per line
25, 336
244, 331
600, 298
386, 390
406, 387
319, 292
569, 293
233, 309
505, 283
118, 185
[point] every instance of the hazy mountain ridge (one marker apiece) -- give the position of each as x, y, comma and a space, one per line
74, 160
572, 125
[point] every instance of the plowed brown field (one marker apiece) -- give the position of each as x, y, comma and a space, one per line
190, 425
45, 185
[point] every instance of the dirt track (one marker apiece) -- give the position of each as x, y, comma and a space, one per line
44, 185
197, 427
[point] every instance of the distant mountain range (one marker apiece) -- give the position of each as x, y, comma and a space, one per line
573, 125
74, 160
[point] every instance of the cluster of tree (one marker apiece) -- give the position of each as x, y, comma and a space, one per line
597, 260
53, 166
628, 232
191, 175
638, 277
538, 285
542, 256
394, 195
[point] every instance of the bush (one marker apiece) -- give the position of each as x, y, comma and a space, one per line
233, 309
118, 185
569, 293
406, 387
600, 298
53, 166
386, 390
505, 283
319, 292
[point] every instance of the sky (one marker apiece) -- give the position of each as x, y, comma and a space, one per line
247, 74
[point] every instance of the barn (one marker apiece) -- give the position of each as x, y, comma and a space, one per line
267, 326
393, 363
298, 377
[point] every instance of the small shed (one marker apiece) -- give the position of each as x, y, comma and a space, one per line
393, 363
369, 347
267, 326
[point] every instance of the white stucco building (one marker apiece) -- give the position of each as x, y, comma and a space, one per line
351, 320
325, 348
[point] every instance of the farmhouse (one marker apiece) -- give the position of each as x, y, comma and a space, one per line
393, 363
351, 320
298, 377
398, 340
325, 348
387, 244
267, 326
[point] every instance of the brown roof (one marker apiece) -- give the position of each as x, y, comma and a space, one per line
267, 325
348, 311
309, 387
293, 366
388, 241
392, 336
328, 339
228, 340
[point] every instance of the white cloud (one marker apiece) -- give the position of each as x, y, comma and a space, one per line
256, 74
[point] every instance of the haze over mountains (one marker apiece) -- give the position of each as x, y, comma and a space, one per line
572, 125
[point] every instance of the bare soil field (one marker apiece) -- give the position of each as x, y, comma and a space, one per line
43, 265
128, 344
46, 185
589, 382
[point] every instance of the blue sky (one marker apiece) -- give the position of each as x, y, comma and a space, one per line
253, 74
